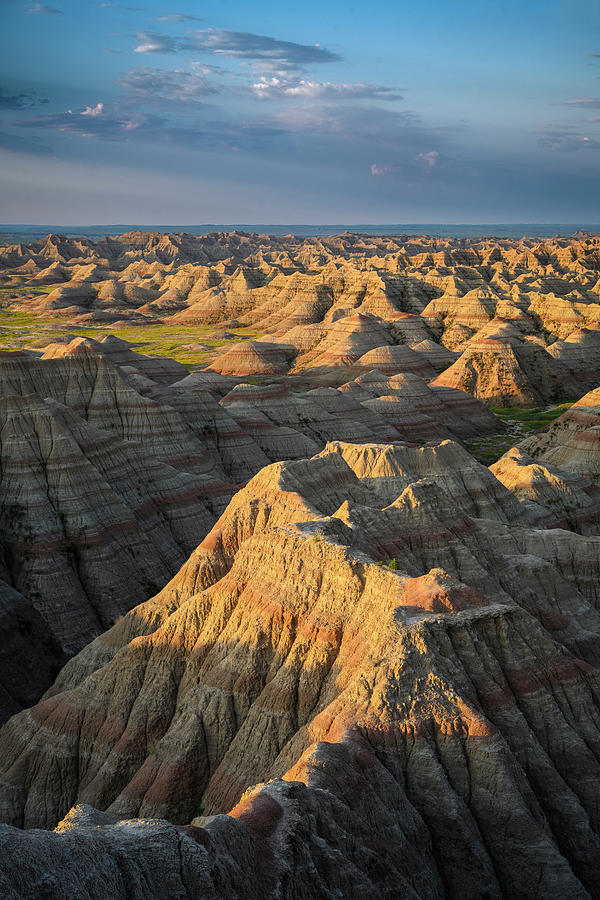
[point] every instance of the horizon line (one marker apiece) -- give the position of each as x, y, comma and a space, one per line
277, 224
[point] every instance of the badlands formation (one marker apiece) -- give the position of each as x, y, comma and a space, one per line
514, 323
270, 629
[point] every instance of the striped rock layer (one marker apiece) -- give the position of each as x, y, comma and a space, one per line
572, 441
109, 478
104, 492
522, 316
319, 724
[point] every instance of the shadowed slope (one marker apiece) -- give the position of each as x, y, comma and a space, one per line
91, 524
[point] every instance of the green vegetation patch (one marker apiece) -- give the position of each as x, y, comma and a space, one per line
21, 329
29, 288
520, 424
532, 419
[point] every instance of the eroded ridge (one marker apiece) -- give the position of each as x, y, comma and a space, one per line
513, 322
392, 642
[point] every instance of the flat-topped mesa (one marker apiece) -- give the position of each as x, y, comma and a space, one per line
367, 695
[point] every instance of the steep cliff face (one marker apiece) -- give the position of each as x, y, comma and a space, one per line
109, 482
91, 524
97, 391
433, 719
371, 407
104, 492
368, 670
286, 840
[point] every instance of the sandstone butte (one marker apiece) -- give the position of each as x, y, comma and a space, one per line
295, 641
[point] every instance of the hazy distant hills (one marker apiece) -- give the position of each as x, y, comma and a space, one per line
18, 233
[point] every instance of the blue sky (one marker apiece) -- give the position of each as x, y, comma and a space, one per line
305, 112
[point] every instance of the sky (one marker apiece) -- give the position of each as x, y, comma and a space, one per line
225, 111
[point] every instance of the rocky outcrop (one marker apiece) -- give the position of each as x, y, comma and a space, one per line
572, 441
344, 342
119, 352
400, 407
254, 358
572, 500
258, 851
421, 411
91, 524
104, 492
579, 358
323, 303
369, 670
110, 482
97, 391
431, 718
501, 368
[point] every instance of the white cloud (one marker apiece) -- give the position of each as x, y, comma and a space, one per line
150, 42
379, 170
429, 159
277, 88
564, 141
38, 9
583, 102
159, 85
179, 17
264, 52
93, 111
